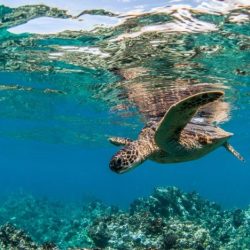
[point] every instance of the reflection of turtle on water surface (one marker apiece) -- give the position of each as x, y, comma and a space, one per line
186, 131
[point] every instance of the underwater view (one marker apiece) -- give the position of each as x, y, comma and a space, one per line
125, 124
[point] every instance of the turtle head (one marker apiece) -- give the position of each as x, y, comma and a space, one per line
126, 159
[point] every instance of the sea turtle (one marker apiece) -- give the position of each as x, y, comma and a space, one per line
178, 136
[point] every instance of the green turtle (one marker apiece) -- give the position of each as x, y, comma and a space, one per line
176, 137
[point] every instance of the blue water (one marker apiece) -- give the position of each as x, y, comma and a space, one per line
59, 105
73, 173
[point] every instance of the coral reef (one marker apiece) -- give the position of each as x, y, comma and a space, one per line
165, 220
171, 219
47, 221
13, 238
168, 219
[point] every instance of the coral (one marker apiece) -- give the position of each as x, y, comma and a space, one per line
172, 219
238, 218
143, 231
13, 238
48, 221
168, 219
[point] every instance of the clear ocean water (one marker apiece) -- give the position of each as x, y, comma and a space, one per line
73, 74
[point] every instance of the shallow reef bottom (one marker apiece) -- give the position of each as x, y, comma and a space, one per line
168, 219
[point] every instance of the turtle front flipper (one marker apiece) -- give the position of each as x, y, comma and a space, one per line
178, 115
119, 141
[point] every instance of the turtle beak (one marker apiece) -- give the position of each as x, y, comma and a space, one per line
120, 165
116, 165
125, 160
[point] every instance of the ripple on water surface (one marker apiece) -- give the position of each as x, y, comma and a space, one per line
82, 71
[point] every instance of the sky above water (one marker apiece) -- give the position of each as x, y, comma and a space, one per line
48, 25
76, 6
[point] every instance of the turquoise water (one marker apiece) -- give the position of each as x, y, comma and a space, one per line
67, 84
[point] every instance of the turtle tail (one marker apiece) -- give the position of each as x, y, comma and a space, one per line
230, 149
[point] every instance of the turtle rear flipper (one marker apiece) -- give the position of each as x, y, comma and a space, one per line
230, 149
178, 115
